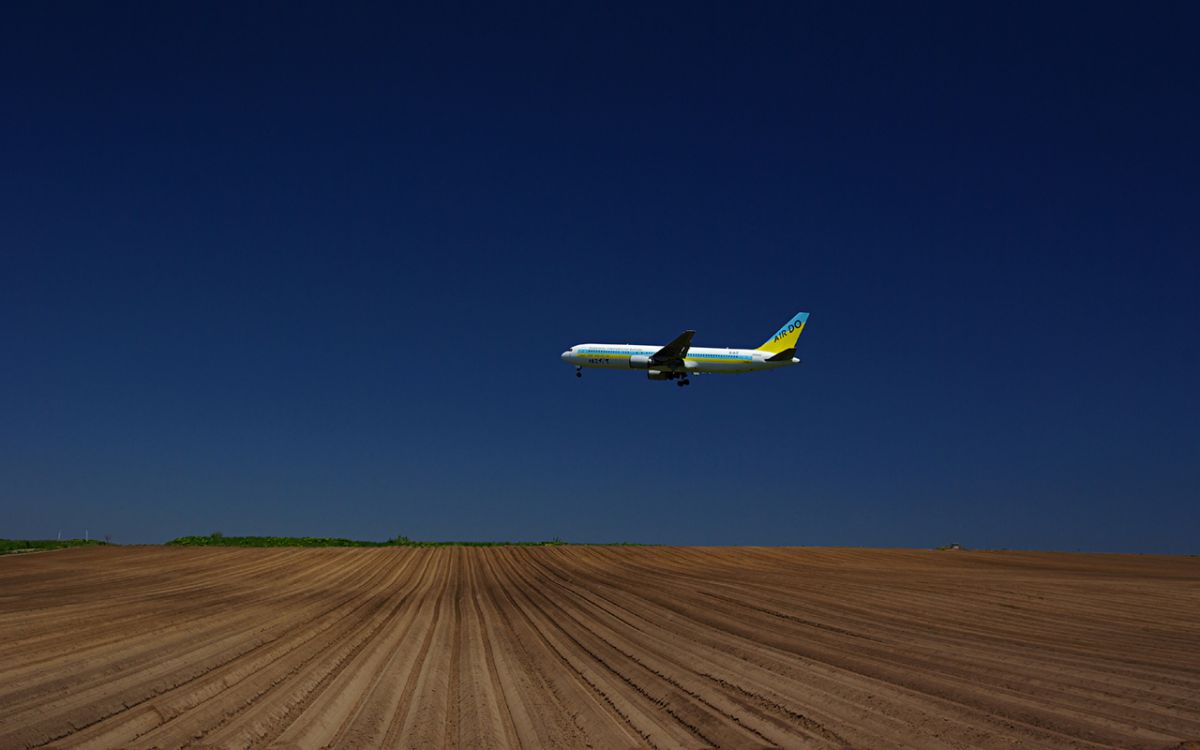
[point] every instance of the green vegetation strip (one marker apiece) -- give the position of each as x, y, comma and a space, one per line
220, 540
9, 546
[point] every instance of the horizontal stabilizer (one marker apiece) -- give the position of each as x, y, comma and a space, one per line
782, 356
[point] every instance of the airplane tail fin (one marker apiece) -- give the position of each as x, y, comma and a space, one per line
785, 338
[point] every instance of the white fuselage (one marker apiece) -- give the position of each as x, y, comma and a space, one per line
698, 358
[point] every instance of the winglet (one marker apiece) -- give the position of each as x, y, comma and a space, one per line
785, 338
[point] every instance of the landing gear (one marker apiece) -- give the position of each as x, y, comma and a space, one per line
683, 382
579, 372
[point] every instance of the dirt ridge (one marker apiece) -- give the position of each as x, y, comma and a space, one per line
576, 646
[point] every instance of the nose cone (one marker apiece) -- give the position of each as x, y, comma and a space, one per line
566, 356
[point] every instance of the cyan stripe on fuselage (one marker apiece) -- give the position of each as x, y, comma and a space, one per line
649, 352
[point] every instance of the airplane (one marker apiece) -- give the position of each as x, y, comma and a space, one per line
679, 359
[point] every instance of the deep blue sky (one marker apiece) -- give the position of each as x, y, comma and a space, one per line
308, 270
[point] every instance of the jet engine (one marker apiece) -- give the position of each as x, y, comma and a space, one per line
658, 375
639, 362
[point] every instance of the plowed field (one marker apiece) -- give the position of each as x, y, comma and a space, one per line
153, 647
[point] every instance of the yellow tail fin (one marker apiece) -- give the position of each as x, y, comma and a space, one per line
785, 338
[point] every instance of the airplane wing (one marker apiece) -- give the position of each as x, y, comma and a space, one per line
674, 352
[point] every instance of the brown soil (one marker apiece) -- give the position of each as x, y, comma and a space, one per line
599, 647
